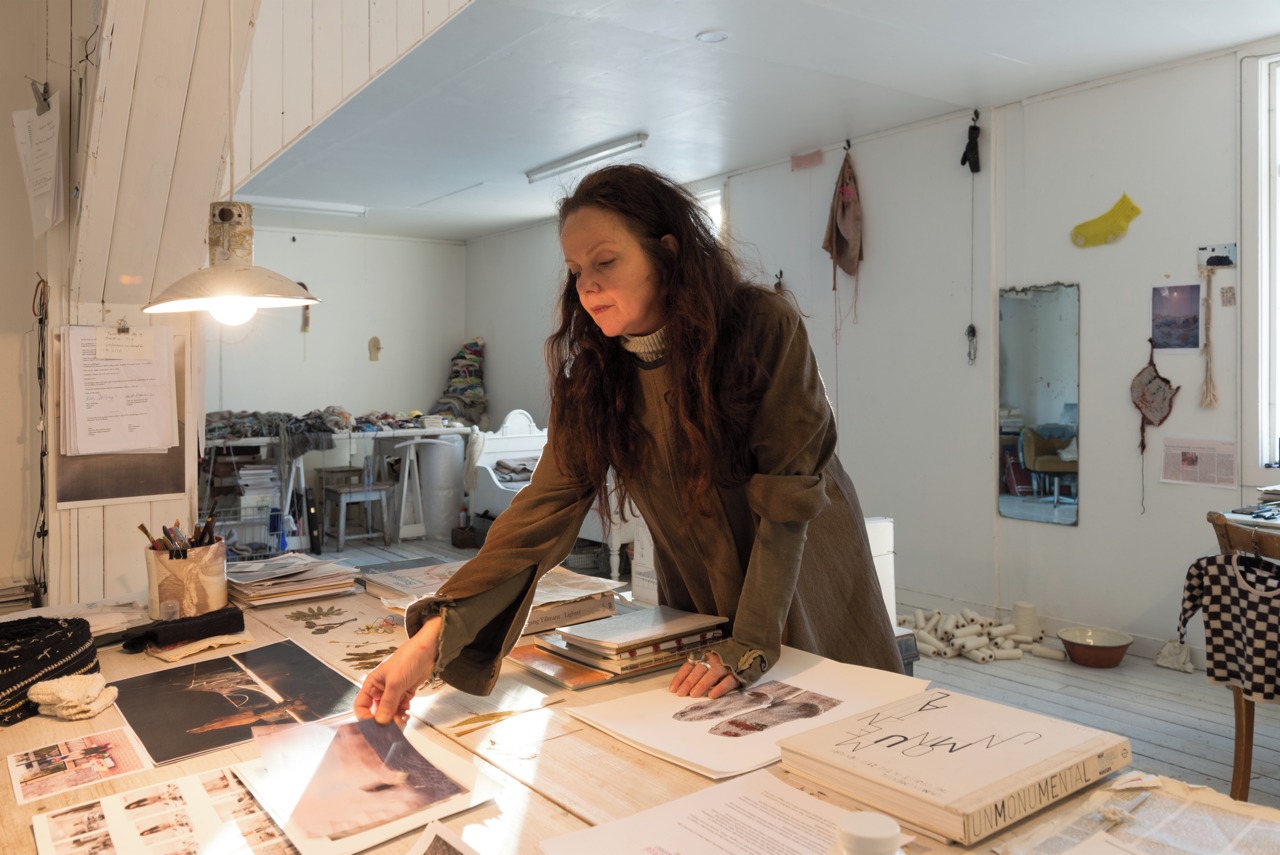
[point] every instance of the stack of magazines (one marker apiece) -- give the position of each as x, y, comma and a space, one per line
646, 639
288, 577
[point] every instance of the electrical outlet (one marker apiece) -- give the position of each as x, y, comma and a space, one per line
1216, 255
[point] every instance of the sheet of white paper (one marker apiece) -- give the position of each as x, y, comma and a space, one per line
118, 405
740, 732
209, 812
40, 157
755, 814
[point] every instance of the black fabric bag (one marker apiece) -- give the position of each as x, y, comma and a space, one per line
34, 649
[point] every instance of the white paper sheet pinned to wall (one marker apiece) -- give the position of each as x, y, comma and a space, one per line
40, 154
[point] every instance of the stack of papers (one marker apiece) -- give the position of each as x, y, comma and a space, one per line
15, 595
118, 390
562, 597
646, 639
289, 577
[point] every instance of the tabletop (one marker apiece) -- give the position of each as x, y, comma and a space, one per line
555, 773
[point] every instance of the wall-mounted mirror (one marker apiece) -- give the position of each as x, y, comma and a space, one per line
1039, 416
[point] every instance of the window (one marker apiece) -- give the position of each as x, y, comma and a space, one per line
1259, 259
710, 200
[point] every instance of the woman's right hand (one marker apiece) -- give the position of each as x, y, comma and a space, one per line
388, 689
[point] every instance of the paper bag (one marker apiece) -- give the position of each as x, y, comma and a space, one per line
186, 587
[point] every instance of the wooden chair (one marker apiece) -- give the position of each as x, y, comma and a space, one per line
1248, 540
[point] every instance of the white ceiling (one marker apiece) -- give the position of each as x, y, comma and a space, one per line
439, 144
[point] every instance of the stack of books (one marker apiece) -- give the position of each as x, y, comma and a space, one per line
289, 577
639, 641
951, 766
1269, 493
15, 596
562, 597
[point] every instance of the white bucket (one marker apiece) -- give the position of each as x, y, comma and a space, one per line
440, 470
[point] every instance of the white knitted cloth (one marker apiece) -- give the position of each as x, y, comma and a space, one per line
74, 697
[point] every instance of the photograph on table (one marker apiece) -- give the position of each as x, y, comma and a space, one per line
342, 787
210, 812
190, 709
739, 732
352, 634
74, 762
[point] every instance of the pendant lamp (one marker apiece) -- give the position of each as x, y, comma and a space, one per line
231, 288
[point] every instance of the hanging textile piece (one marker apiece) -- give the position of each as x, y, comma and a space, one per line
1152, 394
1209, 389
843, 239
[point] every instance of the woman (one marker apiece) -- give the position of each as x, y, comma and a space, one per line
702, 394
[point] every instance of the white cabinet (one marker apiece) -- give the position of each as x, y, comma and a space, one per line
880, 534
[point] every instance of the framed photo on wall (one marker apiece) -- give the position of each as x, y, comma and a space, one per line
1176, 318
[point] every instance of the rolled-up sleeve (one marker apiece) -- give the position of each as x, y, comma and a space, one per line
793, 439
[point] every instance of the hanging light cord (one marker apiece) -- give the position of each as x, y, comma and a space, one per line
231, 124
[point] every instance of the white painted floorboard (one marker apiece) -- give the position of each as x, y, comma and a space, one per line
1179, 724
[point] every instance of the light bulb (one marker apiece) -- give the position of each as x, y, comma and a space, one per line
233, 311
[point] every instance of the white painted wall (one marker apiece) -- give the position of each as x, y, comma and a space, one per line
411, 294
19, 442
513, 280
1168, 139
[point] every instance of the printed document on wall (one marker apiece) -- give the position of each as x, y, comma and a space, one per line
119, 391
40, 156
1209, 462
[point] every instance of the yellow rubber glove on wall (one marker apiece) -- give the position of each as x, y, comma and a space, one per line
1109, 227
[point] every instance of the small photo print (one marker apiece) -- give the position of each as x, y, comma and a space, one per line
1175, 318
756, 709
78, 762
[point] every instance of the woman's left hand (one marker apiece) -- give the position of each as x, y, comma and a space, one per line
706, 677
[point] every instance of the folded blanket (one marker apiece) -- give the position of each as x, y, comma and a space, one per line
514, 465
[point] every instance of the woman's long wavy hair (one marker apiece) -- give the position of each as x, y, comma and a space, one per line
717, 377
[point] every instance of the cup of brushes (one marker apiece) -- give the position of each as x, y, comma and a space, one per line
186, 575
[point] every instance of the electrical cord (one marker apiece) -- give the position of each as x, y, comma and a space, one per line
40, 530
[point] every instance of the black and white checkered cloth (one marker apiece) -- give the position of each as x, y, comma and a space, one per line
1240, 597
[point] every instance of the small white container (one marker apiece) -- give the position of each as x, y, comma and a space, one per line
866, 833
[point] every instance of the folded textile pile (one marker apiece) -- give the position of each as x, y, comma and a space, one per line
515, 468
35, 649
74, 697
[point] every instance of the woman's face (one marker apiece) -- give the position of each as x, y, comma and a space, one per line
615, 280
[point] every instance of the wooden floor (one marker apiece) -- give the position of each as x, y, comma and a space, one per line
1179, 724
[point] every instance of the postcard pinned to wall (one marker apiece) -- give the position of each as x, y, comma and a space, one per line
209, 812
740, 731
340, 788
74, 762
1206, 462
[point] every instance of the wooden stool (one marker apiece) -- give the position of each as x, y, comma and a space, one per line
343, 495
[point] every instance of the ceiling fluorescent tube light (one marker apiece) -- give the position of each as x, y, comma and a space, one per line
304, 206
587, 157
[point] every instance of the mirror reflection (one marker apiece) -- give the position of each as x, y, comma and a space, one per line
1039, 403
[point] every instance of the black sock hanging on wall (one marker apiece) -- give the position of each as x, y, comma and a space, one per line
970, 156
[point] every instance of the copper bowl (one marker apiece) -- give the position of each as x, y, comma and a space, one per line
1094, 647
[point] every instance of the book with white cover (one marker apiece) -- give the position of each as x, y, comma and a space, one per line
952, 765
639, 627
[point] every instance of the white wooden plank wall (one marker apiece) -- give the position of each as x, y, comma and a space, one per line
150, 149
151, 156
310, 56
